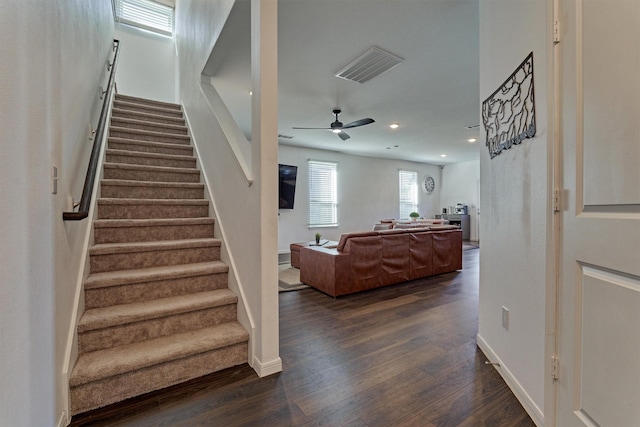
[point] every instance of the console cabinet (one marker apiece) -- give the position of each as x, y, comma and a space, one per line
462, 221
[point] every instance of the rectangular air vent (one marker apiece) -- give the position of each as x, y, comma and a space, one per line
370, 64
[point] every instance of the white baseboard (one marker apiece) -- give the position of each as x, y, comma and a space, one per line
529, 405
284, 257
63, 420
264, 369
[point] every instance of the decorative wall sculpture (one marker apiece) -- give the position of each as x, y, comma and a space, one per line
508, 114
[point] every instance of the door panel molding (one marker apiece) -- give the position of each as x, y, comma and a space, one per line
598, 340
605, 365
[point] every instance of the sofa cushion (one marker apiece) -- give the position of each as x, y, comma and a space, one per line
394, 267
394, 231
420, 255
382, 226
443, 227
447, 251
366, 255
346, 236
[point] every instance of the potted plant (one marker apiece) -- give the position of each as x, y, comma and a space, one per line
414, 215
318, 236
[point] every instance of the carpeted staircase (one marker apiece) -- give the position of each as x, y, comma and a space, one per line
157, 308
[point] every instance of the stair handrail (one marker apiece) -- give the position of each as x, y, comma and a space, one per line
92, 169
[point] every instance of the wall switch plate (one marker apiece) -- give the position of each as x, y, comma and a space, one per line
505, 317
54, 179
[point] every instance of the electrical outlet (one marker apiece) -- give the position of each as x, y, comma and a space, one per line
505, 317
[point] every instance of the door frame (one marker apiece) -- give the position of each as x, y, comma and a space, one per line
554, 236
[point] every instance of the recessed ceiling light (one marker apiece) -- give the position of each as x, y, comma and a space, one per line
443, 155
394, 125
472, 140
250, 92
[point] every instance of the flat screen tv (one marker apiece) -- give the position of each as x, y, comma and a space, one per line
287, 180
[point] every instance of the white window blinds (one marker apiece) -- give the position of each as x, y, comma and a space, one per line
146, 14
408, 193
323, 194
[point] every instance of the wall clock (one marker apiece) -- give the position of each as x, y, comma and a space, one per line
428, 184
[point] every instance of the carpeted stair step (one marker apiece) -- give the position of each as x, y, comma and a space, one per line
157, 110
127, 286
117, 325
149, 159
150, 147
129, 256
147, 135
145, 101
130, 189
150, 126
107, 376
149, 117
119, 208
147, 230
150, 173
158, 310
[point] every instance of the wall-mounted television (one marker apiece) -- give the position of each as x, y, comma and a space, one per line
287, 179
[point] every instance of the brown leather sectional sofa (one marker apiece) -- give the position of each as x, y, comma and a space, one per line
371, 259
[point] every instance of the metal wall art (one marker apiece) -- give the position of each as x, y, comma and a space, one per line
508, 114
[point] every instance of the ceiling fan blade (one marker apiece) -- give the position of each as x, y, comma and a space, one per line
357, 123
343, 135
295, 127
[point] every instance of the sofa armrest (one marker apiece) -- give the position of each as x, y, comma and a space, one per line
325, 269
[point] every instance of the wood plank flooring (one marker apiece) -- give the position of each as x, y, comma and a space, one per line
403, 355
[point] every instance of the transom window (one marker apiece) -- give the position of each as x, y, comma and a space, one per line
323, 194
408, 193
146, 14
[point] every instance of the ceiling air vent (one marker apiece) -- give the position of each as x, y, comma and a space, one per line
370, 64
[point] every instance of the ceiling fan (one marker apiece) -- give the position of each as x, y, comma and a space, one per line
337, 126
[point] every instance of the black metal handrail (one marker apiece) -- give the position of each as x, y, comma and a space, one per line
92, 170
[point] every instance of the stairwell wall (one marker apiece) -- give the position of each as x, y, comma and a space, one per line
147, 65
515, 219
54, 60
242, 203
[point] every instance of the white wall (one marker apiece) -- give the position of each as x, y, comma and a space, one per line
245, 205
147, 64
514, 200
460, 185
53, 55
367, 192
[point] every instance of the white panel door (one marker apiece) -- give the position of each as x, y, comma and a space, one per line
598, 101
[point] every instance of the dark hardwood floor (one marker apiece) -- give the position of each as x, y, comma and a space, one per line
403, 355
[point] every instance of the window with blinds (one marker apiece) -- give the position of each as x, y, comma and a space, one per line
323, 194
145, 14
408, 193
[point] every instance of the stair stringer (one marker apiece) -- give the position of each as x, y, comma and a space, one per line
245, 317
209, 134
71, 346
